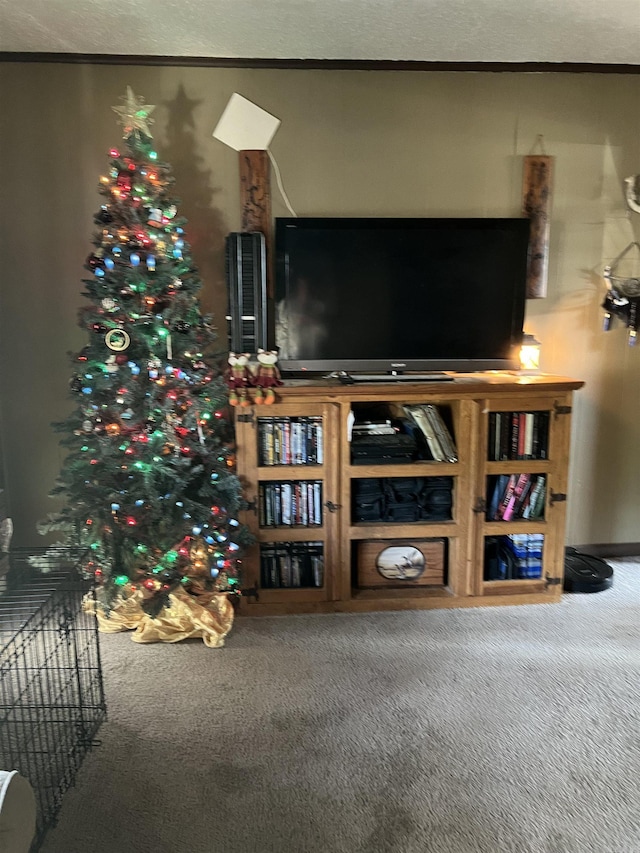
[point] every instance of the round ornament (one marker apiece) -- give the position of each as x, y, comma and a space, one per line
108, 304
117, 340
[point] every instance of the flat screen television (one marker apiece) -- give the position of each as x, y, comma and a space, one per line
391, 295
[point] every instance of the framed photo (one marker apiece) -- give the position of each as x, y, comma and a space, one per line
401, 562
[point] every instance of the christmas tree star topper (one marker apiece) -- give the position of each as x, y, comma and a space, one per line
135, 114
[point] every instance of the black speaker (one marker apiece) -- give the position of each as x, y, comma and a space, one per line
246, 272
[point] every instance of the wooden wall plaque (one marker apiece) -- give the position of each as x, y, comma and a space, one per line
255, 200
537, 190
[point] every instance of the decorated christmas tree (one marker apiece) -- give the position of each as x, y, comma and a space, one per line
150, 494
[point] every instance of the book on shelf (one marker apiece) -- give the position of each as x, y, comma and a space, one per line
290, 440
518, 435
444, 436
516, 496
516, 556
290, 565
499, 489
287, 504
535, 505
435, 431
506, 497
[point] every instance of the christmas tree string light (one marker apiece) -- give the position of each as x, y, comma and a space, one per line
150, 452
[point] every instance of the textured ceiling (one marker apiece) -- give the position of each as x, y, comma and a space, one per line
575, 31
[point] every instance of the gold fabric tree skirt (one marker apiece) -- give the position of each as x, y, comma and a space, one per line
208, 615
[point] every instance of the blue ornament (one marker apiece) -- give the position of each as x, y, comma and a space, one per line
134, 258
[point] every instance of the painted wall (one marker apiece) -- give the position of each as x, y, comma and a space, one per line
351, 143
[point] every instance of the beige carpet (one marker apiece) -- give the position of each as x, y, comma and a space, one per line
461, 731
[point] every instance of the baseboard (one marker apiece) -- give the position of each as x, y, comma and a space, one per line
618, 549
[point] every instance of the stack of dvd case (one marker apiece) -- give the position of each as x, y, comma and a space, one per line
290, 441
291, 564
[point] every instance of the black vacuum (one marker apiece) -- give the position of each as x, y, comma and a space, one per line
585, 573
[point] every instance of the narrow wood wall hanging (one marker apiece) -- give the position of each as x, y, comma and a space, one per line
255, 199
537, 190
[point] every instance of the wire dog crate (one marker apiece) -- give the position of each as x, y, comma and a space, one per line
51, 691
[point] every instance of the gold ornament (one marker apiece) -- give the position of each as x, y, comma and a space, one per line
117, 339
134, 115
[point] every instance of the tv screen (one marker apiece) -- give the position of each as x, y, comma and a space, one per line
394, 295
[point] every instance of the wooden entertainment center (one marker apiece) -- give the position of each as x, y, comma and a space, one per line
299, 447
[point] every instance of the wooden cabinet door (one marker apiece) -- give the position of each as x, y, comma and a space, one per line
288, 456
503, 519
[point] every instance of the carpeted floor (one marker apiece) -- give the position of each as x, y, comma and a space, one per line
457, 731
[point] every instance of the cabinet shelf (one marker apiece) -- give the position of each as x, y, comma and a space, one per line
408, 593
408, 469
286, 533
366, 563
515, 587
519, 525
293, 595
518, 466
409, 530
291, 472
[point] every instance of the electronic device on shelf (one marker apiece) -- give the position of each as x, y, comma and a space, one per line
351, 378
378, 298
